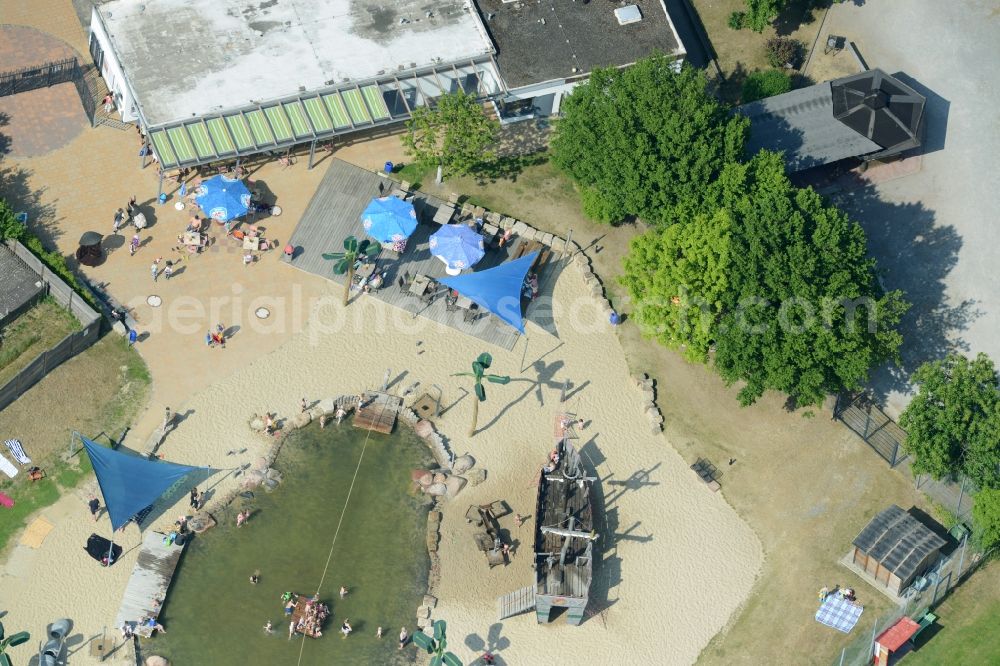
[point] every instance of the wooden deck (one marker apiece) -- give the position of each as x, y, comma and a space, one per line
335, 213
154, 569
379, 413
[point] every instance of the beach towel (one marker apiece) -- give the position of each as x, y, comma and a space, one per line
36, 532
7, 468
16, 450
838, 613
6, 501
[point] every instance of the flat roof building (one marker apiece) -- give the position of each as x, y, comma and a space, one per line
215, 80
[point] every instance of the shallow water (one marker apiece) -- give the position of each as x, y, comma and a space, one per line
214, 615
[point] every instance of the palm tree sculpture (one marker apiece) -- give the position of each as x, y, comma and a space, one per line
479, 367
16, 639
436, 646
353, 250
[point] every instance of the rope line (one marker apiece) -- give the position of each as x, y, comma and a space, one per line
336, 532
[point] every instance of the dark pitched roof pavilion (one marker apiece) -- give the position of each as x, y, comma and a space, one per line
879, 107
869, 114
898, 541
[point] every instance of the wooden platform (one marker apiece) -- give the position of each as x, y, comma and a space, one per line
154, 569
516, 602
379, 413
335, 213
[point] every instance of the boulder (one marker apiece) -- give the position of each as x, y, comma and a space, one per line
463, 464
436, 489
326, 406
529, 233
432, 542
507, 223
424, 623
546, 239
519, 227
301, 420
417, 474
476, 476
424, 428
440, 478
434, 517
423, 611
454, 485
156, 660
558, 244
253, 478
119, 328
200, 522
430, 601
257, 423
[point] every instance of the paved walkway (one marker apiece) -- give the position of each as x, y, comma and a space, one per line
934, 232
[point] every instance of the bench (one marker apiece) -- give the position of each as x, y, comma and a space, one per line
925, 621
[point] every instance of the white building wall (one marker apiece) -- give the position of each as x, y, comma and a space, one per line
111, 71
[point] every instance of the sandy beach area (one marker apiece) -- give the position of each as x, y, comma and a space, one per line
679, 560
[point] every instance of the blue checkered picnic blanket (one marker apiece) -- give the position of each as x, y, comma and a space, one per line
838, 613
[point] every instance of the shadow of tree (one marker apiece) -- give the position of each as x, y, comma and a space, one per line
915, 255
798, 13
17, 190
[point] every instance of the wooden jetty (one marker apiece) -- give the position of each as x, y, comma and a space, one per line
313, 628
379, 412
147, 587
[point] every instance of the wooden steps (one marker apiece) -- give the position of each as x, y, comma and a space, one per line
516, 602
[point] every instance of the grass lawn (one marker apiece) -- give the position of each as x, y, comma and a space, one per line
742, 51
35, 331
967, 624
807, 486
98, 391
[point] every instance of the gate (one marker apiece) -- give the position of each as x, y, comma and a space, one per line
41, 76
870, 423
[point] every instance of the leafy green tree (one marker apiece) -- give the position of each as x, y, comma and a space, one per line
759, 85
953, 423
678, 280
454, 134
353, 250
808, 317
986, 518
760, 13
642, 140
479, 368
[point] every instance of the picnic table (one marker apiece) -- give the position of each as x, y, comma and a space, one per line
464, 302
192, 238
444, 214
421, 283
251, 243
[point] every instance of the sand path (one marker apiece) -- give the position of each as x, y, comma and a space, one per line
681, 560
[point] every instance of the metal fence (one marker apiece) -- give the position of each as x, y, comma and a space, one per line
68, 347
84, 88
41, 76
861, 414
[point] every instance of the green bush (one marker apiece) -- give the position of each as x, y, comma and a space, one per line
986, 518
783, 52
759, 85
9, 226
737, 20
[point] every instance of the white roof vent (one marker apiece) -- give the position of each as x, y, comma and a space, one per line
628, 14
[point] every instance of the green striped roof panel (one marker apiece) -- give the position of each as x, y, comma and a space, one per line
297, 117
182, 145
220, 135
258, 125
279, 123
163, 150
199, 137
373, 96
240, 132
318, 115
356, 107
335, 105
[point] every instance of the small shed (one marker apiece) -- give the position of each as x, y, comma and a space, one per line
893, 638
894, 548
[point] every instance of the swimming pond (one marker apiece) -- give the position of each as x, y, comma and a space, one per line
214, 614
